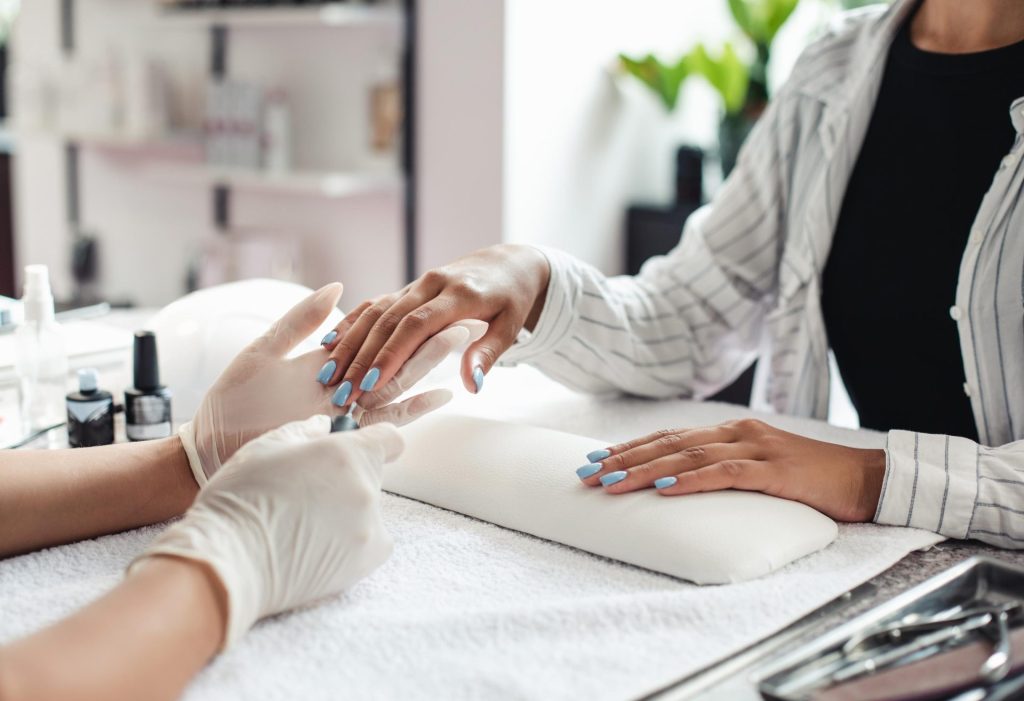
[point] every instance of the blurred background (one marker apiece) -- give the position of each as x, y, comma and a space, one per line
152, 147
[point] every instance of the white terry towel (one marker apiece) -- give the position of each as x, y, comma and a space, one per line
468, 610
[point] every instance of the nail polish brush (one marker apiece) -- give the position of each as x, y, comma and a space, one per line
345, 422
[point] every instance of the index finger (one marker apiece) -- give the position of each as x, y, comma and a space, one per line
399, 341
429, 355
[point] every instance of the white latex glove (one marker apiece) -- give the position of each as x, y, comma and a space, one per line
262, 388
293, 517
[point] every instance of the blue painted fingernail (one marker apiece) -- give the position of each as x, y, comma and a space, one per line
326, 372
588, 470
478, 378
663, 482
613, 477
329, 338
370, 380
598, 455
341, 394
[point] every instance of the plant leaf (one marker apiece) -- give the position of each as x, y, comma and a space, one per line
778, 12
664, 80
741, 14
761, 20
726, 73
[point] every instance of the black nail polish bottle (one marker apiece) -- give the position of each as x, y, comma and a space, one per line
147, 405
90, 413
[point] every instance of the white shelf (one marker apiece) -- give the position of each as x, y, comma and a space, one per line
314, 183
173, 159
189, 141
340, 14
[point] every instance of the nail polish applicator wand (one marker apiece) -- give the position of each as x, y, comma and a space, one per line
344, 422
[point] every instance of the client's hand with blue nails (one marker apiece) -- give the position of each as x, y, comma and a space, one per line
839, 481
264, 388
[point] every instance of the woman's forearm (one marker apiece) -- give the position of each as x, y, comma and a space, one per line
145, 639
52, 497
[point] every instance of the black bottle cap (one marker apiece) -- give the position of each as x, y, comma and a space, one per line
147, 368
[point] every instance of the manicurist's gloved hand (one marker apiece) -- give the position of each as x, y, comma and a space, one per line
293, 517
262, 388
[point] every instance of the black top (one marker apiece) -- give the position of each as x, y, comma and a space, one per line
147, 367
940, 127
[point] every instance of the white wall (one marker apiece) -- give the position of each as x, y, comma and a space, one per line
460, 127
584, 141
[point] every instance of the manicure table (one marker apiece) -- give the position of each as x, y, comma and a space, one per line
467, 610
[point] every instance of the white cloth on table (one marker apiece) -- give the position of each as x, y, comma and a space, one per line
465, 609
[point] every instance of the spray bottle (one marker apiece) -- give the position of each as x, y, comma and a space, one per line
41, 358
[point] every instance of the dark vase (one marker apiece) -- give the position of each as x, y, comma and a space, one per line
654, 230
734, 128
732, 132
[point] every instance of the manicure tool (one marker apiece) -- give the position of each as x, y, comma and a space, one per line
926, 636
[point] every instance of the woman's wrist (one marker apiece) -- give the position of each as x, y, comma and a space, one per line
197, 584
541, 273
177, 461
873, 471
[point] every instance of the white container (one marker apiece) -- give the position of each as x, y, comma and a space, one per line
41, 360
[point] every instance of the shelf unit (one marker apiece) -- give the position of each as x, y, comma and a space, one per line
165, 155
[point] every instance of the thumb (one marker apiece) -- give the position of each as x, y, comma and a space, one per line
300, 321
380, 442
481, 356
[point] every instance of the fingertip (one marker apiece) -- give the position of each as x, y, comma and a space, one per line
327, 372
613, 478
320, 423
457, 335
476, 328
439, 397
386, 436
332, 291
466, 372
665, 482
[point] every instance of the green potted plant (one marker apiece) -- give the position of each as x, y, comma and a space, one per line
742, 84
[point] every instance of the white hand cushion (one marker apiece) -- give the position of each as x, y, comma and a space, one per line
523, 478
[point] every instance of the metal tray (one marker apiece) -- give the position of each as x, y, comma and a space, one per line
974, 582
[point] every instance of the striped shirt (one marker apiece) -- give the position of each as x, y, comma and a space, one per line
745, 282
